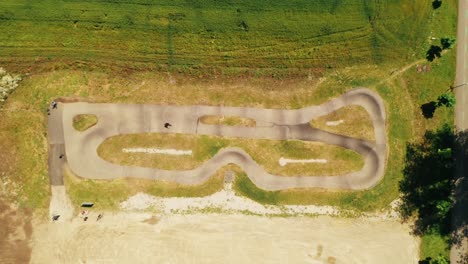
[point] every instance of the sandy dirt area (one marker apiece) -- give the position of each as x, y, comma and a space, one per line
60, 204
15, 233
226, 201
135, 237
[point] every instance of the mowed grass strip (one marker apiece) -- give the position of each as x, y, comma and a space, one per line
228, 121
352, 121
265, 152
224, 35
83, 122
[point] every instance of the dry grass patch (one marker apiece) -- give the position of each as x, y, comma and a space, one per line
228, 121
265, 152
108, 194
353, 121
83, 122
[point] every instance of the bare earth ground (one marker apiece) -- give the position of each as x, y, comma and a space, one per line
15, 233
219, 238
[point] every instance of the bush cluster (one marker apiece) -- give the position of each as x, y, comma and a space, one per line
8, 84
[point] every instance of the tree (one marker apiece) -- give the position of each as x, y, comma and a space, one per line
441, 260
447, 43
433, 188
428, 182
438, 260
447, 99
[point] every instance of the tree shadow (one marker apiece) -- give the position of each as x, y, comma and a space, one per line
436, 4
427, 184
434, 186
428, 109
460, 206
433, 52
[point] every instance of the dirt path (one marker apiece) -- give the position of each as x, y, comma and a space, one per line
60, 204
212, 238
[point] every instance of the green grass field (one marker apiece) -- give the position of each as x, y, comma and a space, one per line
265, 152
266, 37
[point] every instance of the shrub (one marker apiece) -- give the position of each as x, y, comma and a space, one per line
8, 84
447, 43
447, 99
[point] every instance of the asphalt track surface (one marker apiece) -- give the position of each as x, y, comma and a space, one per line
56, 145
275, 124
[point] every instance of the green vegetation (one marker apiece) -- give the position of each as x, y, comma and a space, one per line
24, 155
85, 190
406, 121
83, 122
427, 188
119, 190
265, 37
434, 246
429, 170
228, 121
244, 186
265, 152
356, 122
447, 43
446, 99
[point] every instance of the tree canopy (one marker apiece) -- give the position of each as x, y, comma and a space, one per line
434, 184
447, 99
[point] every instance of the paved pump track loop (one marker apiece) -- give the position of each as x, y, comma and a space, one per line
275, 124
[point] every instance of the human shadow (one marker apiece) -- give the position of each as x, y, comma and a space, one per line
428, 109
433, 52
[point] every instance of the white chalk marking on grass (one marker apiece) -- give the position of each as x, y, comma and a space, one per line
334, 123
157, 151
282, 161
